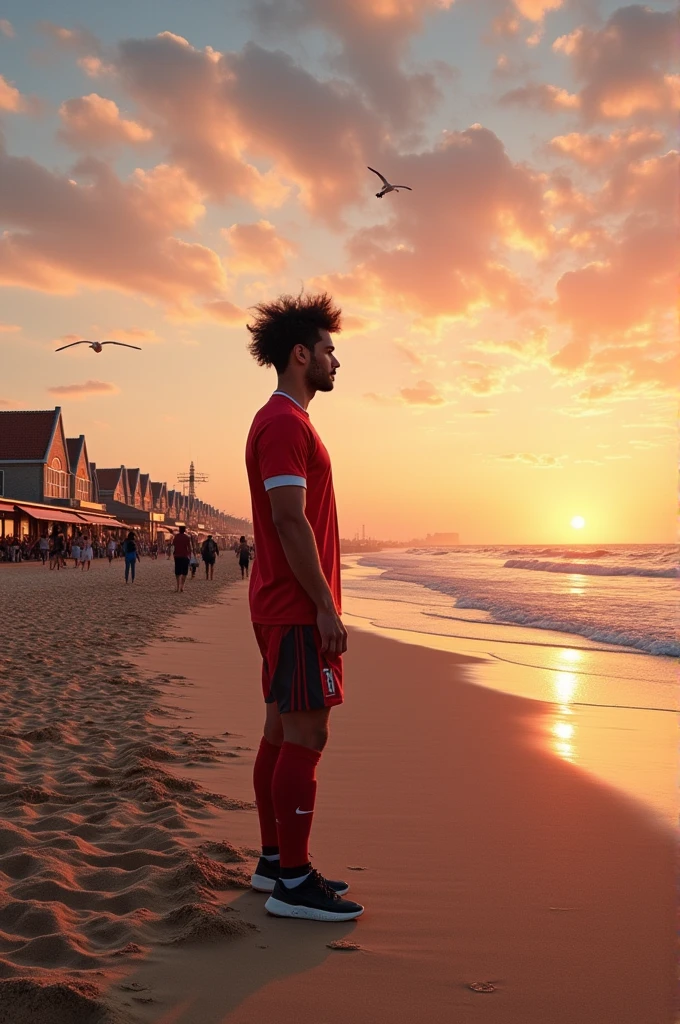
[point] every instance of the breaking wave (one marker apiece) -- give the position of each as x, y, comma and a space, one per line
590, 570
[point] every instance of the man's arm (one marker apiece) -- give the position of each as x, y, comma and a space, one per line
299, 546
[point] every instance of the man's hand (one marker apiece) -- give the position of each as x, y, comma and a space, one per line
333, 633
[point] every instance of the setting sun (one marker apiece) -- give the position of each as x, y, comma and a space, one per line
578, 522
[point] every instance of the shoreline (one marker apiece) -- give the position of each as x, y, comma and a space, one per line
486, 857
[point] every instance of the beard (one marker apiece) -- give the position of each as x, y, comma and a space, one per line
318, 379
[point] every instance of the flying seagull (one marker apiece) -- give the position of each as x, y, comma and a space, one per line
96, 346
386, 185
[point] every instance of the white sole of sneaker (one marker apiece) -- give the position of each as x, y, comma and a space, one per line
261, 884
280, 909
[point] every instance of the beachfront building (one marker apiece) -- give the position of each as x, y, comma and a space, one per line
45, 478
127, 495
159, 492
147, 496
34, 460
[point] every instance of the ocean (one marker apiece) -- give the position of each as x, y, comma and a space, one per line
592, 632
620, 601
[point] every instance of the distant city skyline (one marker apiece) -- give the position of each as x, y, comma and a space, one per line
509, 359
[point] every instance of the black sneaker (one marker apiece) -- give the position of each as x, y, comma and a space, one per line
313, 900
266, 874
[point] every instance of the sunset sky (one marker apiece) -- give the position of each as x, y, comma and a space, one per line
509, 358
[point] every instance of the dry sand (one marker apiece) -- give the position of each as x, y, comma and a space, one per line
100, 832
124, 849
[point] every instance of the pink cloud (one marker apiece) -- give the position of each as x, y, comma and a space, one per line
258, 248
625, 67
100, 232
369, 44
6, 28
89, 387
95, 67
93, 122
442, 250
11, 99
78, 40
543, 97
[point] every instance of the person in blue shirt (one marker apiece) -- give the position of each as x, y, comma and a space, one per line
131, 555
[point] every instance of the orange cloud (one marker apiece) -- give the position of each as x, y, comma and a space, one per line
535, 461
133, 334
625, 66
627, 287
9, 328
601, 151
424, 393
477, 378
89, 387
11, 99
93, 122
536, 10
100, 232
226, 312
258, 248
6, 28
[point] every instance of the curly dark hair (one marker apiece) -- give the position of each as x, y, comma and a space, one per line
288, 321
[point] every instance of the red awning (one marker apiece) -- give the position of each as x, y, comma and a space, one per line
95, 520
50, 515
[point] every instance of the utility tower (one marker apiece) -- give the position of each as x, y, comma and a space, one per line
192, 478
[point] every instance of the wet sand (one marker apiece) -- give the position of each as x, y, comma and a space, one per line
481, 856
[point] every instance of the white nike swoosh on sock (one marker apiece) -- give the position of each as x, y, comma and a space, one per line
298, 811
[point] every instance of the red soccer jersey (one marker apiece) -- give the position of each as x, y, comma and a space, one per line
283, 449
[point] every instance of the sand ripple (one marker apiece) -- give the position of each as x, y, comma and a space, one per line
99, 829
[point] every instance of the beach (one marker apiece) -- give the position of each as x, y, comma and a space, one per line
501, 881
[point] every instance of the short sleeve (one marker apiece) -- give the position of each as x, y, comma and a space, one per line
283, 449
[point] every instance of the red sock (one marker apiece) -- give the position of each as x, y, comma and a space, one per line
294, 792
263, 773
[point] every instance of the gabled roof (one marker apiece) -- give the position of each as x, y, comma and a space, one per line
157, 489
76, 447
108, 479
145, 481
26, 436
133, 478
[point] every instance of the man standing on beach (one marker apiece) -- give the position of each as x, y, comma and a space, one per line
183, 549
209, 552
295, 600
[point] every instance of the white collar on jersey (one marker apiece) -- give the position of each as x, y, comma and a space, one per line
286, 395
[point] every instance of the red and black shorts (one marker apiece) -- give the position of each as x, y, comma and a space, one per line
296, 675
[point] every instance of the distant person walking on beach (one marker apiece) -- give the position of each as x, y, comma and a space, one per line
183, 550
44, 547
209, 552
243, 555
295, 600
131, 555
75, 550
111, 546
86, 552
58, 550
